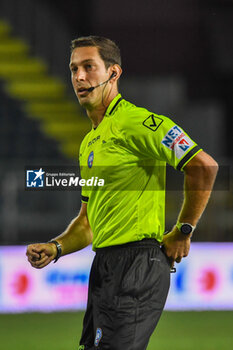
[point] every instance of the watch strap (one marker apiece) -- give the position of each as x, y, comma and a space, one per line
59, 250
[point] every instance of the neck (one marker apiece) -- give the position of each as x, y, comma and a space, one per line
96, 113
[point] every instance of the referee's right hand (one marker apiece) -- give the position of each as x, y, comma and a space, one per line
41, 254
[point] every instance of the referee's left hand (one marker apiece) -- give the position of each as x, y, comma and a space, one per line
176, 245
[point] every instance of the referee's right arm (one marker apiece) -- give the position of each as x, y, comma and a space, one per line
77, 236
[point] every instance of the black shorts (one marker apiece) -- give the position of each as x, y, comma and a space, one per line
128, 288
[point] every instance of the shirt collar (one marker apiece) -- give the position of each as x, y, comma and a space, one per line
112, 105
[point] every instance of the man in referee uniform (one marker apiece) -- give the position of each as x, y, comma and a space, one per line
129, 148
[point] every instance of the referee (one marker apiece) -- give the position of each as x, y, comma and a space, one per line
129, 148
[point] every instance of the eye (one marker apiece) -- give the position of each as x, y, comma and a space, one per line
73, 69
88, 66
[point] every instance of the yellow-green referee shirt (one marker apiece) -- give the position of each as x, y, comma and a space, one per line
129, 150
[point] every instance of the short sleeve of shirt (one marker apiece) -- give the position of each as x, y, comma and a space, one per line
84, 197
156, 136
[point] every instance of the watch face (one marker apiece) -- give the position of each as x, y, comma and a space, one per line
186, 229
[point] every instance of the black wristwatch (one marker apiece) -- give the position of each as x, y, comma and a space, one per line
185, 228
59, 250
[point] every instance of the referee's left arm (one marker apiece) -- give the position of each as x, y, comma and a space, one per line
200, 173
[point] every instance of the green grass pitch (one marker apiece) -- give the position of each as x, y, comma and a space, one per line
60, 331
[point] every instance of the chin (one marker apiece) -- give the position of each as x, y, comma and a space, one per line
84, 102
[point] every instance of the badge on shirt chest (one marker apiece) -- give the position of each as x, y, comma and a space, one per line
152, 122
90, 159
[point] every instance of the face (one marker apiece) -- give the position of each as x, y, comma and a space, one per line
87, 70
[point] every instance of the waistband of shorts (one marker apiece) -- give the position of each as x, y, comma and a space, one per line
144, 243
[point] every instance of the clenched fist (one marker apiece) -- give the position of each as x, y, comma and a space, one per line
41, 254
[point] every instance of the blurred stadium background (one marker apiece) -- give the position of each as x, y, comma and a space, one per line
177, 61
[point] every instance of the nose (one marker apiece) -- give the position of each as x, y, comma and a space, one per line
80, 75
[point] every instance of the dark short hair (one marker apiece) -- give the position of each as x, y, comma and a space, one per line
108, 50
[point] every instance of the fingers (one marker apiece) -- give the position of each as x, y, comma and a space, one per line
170, 259
178, 259
33, 254
175, 249
173, 255
175, 258
37, 255
37, 248
39, 264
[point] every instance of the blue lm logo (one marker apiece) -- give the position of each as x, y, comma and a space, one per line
35, 178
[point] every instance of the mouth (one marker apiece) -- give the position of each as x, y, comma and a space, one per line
82, 91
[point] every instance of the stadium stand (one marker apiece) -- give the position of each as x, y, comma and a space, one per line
40, 124
42, 97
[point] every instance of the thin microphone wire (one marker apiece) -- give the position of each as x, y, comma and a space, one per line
94, 87
104, 82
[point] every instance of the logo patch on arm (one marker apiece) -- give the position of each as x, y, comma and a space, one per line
152, 122
177, 141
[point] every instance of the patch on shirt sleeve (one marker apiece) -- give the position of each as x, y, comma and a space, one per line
152, 122
177, 141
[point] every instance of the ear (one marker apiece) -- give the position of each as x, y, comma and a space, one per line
116, 72
113, 75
